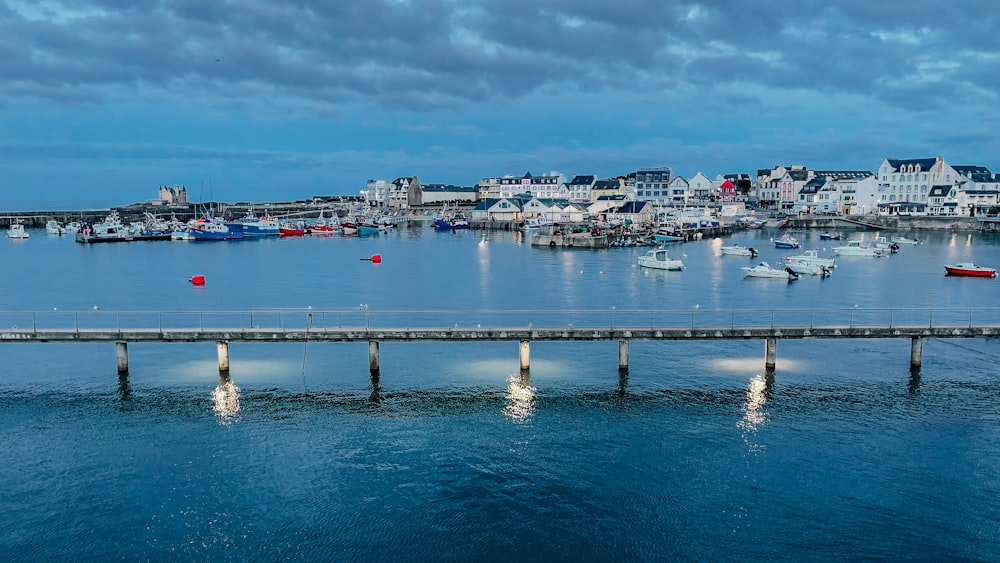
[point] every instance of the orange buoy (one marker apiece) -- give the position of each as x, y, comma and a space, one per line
198, 280
376, 258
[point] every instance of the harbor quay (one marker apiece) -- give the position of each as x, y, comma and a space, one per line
521, 326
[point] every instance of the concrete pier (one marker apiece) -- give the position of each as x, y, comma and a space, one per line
121, 355
916, 352
222, 347
373, 359
524, 355
770, 353
623, 356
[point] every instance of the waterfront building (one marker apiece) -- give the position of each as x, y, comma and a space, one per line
447, 193
400, 193
614, 187
604, 203
911, 179
172, 195
498, 209
679, 191
653, 185
580, 186
978, 190
551, 185
767, 185
701, 186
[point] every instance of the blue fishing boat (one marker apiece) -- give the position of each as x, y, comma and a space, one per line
216, 229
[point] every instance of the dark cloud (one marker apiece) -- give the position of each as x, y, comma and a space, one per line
442, 53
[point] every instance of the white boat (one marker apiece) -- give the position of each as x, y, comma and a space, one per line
857, 248
659, 259
811, 257
885, 244
54, 228
764, 270
904, 240
738, 250
786, 241
809, 269
16, 230
535, 223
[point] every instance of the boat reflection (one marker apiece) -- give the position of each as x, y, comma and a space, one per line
520, 398
226, 400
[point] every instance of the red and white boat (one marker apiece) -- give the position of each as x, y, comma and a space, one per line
969, 269
292, 229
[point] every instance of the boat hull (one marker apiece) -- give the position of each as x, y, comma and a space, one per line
970, 271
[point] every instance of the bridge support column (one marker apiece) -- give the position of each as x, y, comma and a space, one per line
525, 355
373, 359
121, 355
770, 353
916, 352
222, 347
623, 356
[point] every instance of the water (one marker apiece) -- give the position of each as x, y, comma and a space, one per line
843, 454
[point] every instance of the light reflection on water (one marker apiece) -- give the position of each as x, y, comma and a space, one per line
226, 400
520, 399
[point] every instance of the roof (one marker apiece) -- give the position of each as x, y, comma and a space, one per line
940, 190
844, 174
579, 180
924, 163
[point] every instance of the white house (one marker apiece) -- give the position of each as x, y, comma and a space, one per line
700, 186
498, 209
579, 188
912, 179
680, 191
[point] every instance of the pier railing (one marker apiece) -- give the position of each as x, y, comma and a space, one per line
366, 319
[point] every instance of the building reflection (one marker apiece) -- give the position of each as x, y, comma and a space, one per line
226, 399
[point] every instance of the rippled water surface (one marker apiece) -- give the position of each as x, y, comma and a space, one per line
696, 454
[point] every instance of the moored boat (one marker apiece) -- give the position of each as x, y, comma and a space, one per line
969, 269
659, 259
110, 229
809, 268
904, 240
829, 236
262, 226
738, 250
857, 248
452, 222
53, 227
812, 257
215, 229
16, 230
764, 270
786, 241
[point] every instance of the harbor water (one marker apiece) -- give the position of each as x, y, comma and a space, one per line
841, 454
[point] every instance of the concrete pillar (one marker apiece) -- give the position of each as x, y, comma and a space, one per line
623, 356
525, 355
770, 353
373, 359
223, 349
121, 355
916, 352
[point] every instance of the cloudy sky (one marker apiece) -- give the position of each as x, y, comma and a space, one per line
105, 100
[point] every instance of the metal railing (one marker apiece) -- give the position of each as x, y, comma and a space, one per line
365, 318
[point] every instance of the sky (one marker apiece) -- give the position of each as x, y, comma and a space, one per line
106, 100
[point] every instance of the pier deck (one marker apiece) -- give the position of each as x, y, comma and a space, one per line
353, 325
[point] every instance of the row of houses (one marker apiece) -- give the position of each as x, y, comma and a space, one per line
919, 186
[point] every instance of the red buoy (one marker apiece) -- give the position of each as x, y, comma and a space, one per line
376, 258
198, 280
